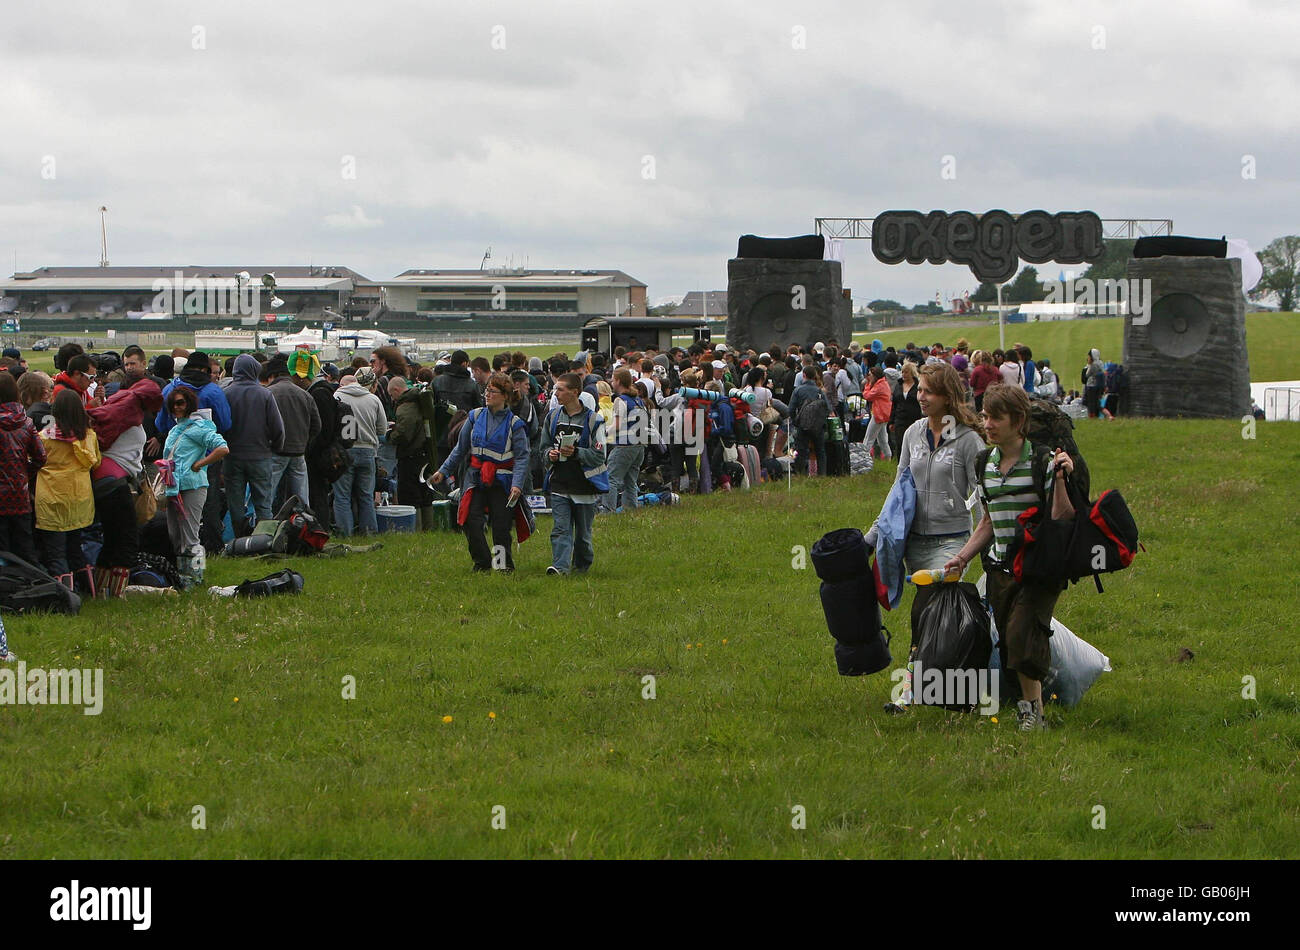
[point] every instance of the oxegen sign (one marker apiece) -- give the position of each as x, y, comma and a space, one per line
992, 244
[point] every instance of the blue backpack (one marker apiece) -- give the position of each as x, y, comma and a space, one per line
723, 417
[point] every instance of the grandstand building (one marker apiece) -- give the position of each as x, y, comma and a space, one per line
96, 298
74, 300
514, 297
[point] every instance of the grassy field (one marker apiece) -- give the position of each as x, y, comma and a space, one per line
1270, 337
527, 692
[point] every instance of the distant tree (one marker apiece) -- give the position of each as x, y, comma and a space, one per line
1025, 288
884, 306
987, 293
1113, 263
1281, 260
929, 307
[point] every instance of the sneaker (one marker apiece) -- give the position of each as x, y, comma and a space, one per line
895, 709
1029, 716
9, 657
554, 571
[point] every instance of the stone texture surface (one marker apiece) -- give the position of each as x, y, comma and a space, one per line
1189, 361
761, 294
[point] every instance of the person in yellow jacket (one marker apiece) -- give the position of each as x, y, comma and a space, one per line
64, 501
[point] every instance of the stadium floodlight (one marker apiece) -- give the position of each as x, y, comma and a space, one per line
244, 275
268, 281
277, 302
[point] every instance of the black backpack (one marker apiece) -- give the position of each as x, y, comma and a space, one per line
1050, 428
812, 415
281, 582
26, 588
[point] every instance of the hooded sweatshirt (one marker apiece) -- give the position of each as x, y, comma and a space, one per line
211, 397
256, 428
945, 477
119, 426
21, 456
368, 415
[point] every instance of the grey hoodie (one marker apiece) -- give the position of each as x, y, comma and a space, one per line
368, 412
945, 479
256, 429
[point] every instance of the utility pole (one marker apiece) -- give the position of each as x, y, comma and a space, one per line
103, 237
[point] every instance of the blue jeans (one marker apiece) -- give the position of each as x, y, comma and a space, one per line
624, 466
293, 470
357, 483
571, 535
255, 476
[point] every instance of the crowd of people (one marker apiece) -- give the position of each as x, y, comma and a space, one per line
226, 442
237, 437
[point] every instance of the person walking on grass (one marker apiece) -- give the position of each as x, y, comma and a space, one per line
64, 501
495, 441
193, 444
939, 450
576, 476
1011, 473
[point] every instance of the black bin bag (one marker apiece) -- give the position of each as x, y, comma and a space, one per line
950, 646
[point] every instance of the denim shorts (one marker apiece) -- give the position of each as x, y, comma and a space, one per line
929, 552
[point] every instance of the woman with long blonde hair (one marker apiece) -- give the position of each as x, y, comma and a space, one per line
939, 449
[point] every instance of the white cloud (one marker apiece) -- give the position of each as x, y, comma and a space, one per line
356, 220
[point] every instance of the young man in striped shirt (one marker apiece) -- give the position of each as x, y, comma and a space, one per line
1022, 612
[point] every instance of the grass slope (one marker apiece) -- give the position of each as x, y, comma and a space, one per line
1270, 337
237, 706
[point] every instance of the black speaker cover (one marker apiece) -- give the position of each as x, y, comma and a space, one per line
807, 247
1175, 246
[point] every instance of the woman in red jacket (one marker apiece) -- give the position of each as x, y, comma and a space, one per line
982, 376
881, 400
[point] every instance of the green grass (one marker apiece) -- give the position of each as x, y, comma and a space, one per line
1270, 337
750, 717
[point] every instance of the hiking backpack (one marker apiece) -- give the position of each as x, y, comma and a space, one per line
25, 588
723, 417
812, 415
1050, 428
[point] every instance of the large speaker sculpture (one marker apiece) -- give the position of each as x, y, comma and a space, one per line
1189, 358
785, 300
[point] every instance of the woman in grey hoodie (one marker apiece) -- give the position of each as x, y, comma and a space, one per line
939, 449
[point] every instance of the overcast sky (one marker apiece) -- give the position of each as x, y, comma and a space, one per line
224, 132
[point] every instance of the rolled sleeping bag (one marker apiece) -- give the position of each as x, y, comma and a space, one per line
754, 424
708, 394
750, 398
862, 659
852, 612
252, 545
841, 555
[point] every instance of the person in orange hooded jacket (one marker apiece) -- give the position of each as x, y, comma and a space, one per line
880, 397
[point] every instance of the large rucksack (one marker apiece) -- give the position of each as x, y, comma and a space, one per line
812, 415
723, 418
26, 588
1051, 428
346, 433
300, 533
